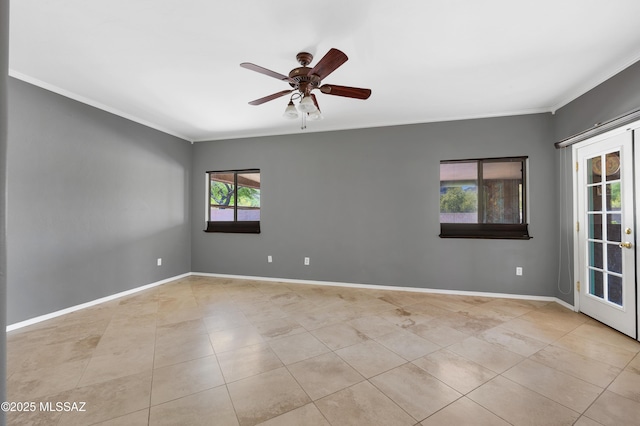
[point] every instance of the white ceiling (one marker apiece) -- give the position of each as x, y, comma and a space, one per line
174, 64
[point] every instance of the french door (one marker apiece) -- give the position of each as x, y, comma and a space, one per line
606, 251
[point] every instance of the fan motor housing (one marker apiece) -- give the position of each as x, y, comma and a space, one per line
302, 77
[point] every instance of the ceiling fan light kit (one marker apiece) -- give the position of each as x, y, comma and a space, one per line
304, 80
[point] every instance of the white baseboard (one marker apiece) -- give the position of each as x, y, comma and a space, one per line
41, 318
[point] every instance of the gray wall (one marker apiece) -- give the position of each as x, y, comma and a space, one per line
94, 200
616, 96
4, 66
364, 206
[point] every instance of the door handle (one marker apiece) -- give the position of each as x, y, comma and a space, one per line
626, 244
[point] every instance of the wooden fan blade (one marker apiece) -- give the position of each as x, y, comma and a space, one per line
329, 63
315, 101
347, 92
270, 97
262, 70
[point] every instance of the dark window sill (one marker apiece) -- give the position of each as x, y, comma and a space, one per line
493, 231
234, 227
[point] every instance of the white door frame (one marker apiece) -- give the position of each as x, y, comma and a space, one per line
636, 164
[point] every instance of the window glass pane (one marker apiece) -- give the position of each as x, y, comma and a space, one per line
597, 286
221, 214
595, 255
593, 170
248, 197
595, 226
612, 162
614, 227
459, 192
614, 258
502, 183
614, 285
222, 189
613, 196
595, 198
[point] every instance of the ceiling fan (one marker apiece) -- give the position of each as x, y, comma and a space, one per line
304, 80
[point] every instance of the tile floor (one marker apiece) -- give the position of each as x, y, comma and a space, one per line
205, 351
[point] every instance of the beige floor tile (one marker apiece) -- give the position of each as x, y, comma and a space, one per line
163, 343
408, 345
318, 317
438, 333
555, 385
339, 336
102, 368
138, 418
280, 327
225, 320
248, 361
210, 407
466, 323
267, 395
556, 317
415, 390
464, 412
521, 406
512, 341
323, 375
297, 347
542, 332
178, 380
614, 410
627, 384
373, 326
598, 332
109, 400
362, 404
370, 358
169, 332
404, 317
235, 338
600, 351
485, 312
307, 415
586, 421
181, 348
515, 307
45, 380
486, 354
635, 364
454, 370
580, 366
38, 416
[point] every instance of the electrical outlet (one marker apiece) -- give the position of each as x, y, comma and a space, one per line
269, 259
159, 261
306, 261
519, 271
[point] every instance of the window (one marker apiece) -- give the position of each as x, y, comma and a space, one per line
483, 198
233, 201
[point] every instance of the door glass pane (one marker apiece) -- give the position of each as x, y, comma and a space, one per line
613, 196
595, 255
614, 227
614, 258
594, 170
614, 287
595, 198
596, 287
595, 226
612, 162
